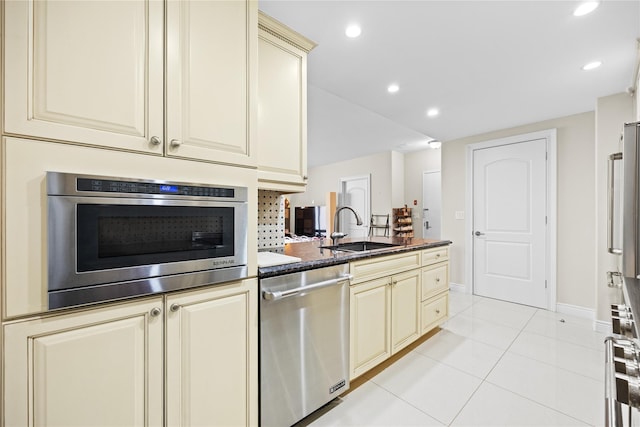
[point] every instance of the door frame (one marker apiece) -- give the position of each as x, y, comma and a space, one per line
550, 135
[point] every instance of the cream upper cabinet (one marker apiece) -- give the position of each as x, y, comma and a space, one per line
211, 80
212, 338
85, 72
93, 73
282, 106
101, 367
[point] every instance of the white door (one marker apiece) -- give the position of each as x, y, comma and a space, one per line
431, 195
355, 194
509, 208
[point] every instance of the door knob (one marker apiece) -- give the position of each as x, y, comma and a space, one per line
477, 233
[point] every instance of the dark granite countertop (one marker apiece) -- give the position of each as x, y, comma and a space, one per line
313, 256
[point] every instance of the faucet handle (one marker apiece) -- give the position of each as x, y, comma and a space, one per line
336, 235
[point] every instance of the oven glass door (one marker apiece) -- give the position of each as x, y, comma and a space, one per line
116, 236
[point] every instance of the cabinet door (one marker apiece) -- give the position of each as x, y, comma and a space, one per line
212, 356
405, 309
370, 305
211, 75
86, 72
435, 279
101, 367
282, 111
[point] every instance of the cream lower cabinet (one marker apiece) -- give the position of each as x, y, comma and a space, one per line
370, 323
395, 299
385, 318
109, 367
405, 312
212, 356
94, 73
435, 288
99, 367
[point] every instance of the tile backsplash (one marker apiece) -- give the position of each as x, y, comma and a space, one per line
270, 219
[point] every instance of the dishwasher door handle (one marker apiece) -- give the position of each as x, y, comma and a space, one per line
274, 295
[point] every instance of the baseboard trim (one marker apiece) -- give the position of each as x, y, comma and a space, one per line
576, 310
602, 327
456, 287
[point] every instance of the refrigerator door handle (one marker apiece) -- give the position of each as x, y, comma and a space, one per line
611, 211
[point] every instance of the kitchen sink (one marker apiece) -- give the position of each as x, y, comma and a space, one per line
359, 246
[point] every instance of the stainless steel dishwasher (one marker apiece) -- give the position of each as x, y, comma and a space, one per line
304, 343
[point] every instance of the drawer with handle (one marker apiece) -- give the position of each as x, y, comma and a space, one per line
435, 311
435, 279
435, 255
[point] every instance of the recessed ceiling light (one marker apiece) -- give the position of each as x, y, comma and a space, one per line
586, 7
592, 65
434, 143
432, 112
353, 31
393, 88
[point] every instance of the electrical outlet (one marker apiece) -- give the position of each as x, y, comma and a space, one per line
459, 214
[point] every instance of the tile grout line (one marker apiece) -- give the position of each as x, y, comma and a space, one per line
548, 364
491, 370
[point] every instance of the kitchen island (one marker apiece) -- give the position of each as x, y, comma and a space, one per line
398, 290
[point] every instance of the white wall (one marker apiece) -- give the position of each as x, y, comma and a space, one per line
326, 178
576, 203
415, 163
611, 112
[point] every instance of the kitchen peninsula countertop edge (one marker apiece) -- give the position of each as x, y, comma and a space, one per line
313, 256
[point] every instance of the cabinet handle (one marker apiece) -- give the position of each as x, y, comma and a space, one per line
175, 143
394, 282
437, 255
437, 279
437, 311
174, 307
155, 312
305, 177
155, 141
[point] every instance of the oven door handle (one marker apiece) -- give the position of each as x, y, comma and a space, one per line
270, 295
612, 408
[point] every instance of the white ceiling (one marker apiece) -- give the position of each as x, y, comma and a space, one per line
487, 65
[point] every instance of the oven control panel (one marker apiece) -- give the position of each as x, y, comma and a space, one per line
137, 187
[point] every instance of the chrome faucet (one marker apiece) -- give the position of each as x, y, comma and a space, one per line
337, 234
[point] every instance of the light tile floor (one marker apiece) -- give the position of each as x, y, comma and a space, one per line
492, 364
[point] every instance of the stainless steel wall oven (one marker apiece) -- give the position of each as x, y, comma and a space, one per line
112, 238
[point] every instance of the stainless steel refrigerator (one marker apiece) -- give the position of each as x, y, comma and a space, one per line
631, 201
